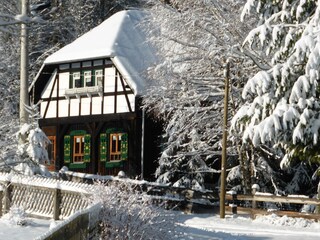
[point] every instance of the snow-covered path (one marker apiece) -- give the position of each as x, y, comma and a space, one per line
33, 229
205, 226
200, 227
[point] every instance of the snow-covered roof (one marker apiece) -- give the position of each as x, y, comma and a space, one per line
120, 38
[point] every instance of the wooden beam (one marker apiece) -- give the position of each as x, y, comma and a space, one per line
125, 93
116, 91
273, 198
50, 98
256, 212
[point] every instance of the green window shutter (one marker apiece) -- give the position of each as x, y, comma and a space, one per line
87, 146
108, 132
124, 146
103, 147
67, 149
93, 78
82, 78
71, 80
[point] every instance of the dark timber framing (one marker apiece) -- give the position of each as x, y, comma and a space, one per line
96, 121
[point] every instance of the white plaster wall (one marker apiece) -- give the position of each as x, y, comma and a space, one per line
42, 108
96, 105
74, 107
46, 92
63, 82
85, 106
109, 83
122, 105
63, 108
51, 113
108, 105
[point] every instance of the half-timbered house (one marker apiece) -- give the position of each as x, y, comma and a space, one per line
90, 93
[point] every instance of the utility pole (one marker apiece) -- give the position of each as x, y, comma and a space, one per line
142, 142
24, 65
224, 142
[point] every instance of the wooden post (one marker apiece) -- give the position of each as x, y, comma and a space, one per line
318, 206
1, 202
224, 144
255, 188
142, 143
234, 205
7, 197
56, 203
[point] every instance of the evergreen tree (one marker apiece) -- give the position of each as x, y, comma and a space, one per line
280, 116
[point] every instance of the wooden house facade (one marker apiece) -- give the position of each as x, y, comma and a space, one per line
89, 93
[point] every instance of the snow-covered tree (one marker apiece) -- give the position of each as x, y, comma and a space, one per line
193, 38
281, 112
32, 154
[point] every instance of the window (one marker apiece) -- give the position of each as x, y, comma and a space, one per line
51, 149
99, 77
113, 146
78, 149
76, 79
87, 79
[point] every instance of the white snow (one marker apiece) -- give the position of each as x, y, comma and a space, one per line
120, 38
33, 229
210, 226
194, 226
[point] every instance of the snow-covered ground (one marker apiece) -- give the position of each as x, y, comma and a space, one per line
205, 226
33, 229
199, 227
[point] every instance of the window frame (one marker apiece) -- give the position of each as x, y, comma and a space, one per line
115, 151
87, 77
98, 77
53, 146
74, 78
78, 157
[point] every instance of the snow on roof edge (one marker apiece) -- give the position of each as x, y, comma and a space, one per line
119, 38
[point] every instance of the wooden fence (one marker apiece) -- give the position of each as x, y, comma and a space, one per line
193, 201
82, 225
40, 197
58, 199
253, 207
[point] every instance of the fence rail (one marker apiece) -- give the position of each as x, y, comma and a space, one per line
58, 199
190, 199
44, 198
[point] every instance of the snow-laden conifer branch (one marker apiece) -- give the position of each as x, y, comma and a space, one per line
281, 107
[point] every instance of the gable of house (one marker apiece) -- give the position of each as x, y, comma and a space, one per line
89, 94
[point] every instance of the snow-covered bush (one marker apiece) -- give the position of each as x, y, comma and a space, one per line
32, 152
16, 216
128, 213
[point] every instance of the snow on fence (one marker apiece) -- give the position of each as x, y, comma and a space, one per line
81, 225
42, 197
192, 200
236, 201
